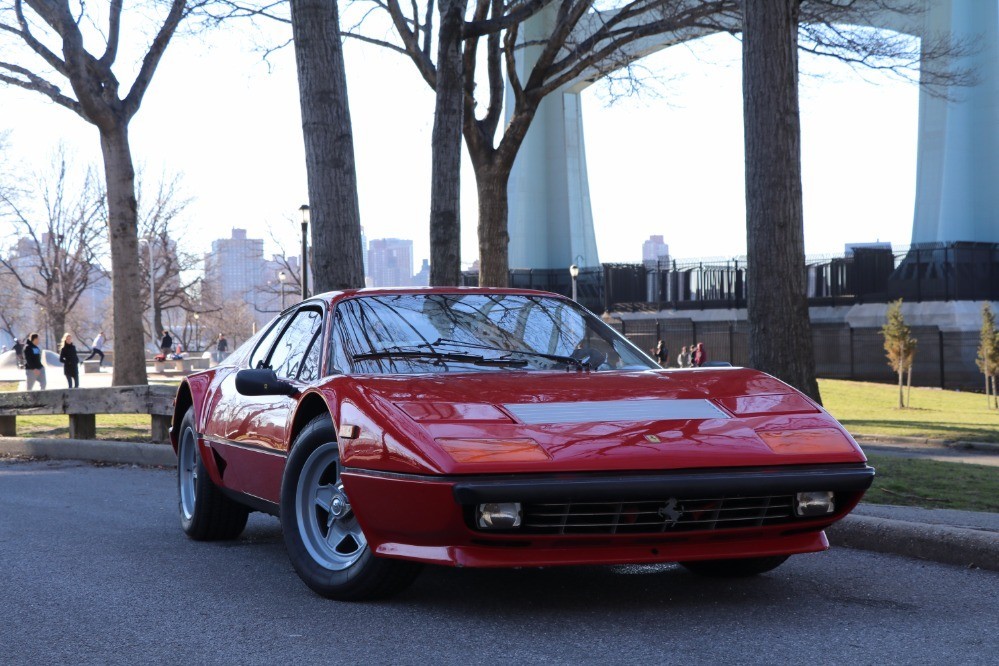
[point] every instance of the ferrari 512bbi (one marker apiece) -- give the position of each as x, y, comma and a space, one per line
388, 429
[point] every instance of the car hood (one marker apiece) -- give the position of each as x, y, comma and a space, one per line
497, 422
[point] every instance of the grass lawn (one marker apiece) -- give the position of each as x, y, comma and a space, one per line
121, 427
870, 409
933, 484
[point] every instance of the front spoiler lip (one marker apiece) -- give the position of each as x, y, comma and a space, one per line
577, 487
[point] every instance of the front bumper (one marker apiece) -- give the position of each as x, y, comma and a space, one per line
426, 518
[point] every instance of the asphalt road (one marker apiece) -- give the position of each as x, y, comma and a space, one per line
95, 569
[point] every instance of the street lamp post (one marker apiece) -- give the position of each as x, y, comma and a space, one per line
304, 209
197, 331
574, 272
282, 276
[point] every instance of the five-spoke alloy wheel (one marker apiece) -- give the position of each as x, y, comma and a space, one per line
321, 532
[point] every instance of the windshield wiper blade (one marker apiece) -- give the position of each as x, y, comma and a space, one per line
558, 358
456, 357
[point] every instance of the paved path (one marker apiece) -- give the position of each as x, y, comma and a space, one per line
96, 570
929, 452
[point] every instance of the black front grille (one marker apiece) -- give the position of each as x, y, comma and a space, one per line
651, 516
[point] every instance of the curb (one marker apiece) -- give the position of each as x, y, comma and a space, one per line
990, 447
126, 453
946, 544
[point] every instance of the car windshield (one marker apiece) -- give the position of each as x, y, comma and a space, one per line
419, 333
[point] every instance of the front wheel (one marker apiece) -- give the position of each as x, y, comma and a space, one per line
740, 568
324, 539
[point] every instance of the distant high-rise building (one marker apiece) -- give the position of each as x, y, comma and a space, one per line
655, 251
390, 261
364, 252
235, 269
422, 278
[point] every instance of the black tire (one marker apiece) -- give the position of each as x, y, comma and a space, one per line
750, 566
206, 514
313, 469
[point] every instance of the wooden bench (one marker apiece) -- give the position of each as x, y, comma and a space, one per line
183, 366
82, 406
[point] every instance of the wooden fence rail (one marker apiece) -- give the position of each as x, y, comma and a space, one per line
82, 406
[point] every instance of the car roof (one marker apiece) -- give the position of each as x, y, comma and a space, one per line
335, 296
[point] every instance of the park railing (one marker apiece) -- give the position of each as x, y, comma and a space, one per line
879, 274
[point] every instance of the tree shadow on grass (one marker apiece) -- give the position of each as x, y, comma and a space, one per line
932, 429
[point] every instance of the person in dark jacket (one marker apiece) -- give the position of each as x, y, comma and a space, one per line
166, 344
661, 353
33, 368
19, 352
70, 361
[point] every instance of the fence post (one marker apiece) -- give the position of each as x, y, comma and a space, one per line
940, 343
946, 272
850, 328
731, 342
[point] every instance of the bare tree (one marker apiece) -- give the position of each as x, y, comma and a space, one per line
173, 279
98, 97
58, 238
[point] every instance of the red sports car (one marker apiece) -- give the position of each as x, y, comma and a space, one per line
499, 428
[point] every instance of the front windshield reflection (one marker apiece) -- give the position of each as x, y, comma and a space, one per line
418, 333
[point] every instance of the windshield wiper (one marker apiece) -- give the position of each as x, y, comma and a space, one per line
475, 359
558, 358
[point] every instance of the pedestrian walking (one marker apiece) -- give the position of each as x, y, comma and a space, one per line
33, 368
700, 355
683, 358
19, 353
70, 361
661, 353
97, 349
166, 344
221, 348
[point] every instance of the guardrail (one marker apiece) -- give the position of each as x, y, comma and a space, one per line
82, 406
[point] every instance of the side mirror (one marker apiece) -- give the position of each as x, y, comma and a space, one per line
262, 381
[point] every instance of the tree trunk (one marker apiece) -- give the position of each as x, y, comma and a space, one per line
995, 398
901, 394
126, 278
445, 161
337, 261
494, 238
57, 325
780, 339
908, 388
158, 327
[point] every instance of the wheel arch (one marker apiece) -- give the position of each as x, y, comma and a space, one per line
183, 402
311, 405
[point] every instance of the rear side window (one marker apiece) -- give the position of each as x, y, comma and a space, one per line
293, 345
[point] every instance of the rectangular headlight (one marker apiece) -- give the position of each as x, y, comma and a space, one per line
493, 450
498, 515
818, 503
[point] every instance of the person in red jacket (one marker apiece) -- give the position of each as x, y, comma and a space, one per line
700, 356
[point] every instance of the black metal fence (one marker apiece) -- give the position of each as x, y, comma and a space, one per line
944, 359
925, 272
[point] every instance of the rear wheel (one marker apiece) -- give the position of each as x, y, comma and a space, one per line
749, 566
324, 539
205, 513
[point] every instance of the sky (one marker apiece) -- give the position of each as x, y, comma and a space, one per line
669, 162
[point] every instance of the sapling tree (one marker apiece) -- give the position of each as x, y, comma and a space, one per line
900, 347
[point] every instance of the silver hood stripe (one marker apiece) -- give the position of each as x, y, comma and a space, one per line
615, 410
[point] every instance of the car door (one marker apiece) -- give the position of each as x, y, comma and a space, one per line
252, 439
